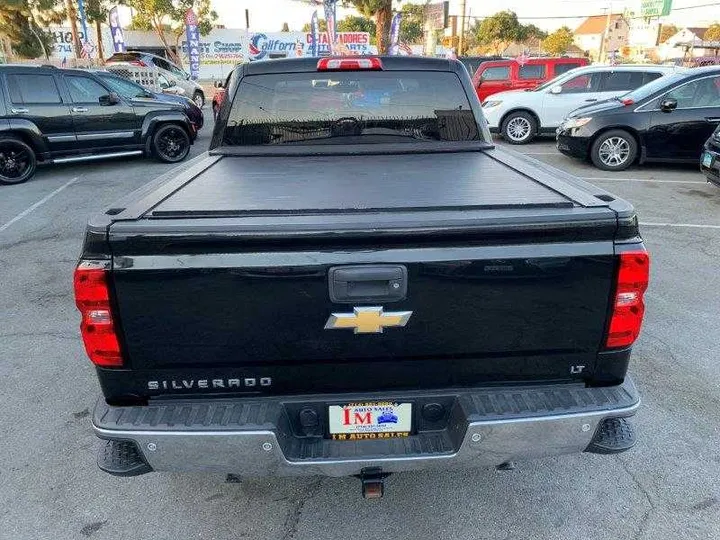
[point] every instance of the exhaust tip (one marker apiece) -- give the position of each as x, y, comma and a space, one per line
613, 435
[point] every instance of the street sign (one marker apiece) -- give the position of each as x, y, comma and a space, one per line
655, 8
436, 15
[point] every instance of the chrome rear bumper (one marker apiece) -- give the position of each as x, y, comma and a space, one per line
256, 438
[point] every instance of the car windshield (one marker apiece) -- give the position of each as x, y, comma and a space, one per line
350, 107
654, 86
125, 88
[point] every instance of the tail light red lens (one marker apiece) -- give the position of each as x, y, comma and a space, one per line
349, 64
92, 297
628, 305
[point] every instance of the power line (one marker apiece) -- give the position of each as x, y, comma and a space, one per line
544, 17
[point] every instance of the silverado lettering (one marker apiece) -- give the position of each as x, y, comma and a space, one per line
348, 194
185, 384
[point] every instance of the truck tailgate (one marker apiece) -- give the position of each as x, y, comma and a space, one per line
507, 278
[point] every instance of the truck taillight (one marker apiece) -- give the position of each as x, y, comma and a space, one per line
349, 64
92, 297
628, 305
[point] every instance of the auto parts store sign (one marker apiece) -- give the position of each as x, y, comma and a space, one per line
281, 44
221, 49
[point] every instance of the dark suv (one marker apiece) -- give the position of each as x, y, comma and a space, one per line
52, 115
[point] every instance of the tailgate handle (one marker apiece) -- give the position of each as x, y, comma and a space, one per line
380, 283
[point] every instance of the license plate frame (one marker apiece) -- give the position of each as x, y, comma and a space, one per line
370, 420
707, 160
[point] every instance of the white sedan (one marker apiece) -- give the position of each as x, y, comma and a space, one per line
520, 115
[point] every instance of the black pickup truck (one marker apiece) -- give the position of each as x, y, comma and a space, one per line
355, 281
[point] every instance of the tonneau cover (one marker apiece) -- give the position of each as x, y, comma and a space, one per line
243, 186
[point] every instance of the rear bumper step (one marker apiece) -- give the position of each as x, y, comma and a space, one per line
260, 437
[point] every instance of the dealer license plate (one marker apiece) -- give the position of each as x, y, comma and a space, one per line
371, 420
707, 160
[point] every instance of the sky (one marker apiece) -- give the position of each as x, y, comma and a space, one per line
269, 15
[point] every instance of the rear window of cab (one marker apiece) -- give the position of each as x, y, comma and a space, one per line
350, 107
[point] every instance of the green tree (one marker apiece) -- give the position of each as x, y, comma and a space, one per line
22, 22
379, 11
712, 33
532, 31
559, 41
498, 31
322, 26
169, 15
355, 23
667, 31
412, 24
96, 12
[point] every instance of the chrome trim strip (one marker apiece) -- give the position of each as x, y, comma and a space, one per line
93, 157
106, 135
61, 138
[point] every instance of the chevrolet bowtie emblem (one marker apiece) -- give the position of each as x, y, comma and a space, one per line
367, 320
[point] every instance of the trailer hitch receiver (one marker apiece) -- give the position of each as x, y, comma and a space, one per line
372, 481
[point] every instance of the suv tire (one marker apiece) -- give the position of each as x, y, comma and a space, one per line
199, 98
170, 143
17, 160
614, 150
519, 128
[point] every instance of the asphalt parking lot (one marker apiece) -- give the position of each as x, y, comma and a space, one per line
50, 487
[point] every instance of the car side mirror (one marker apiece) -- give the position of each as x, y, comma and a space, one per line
110, 99
218, 84
557, 89
668, 105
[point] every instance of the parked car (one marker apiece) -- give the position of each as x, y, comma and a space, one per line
52, 115
134, 92
710, 159
666, 120
174, 73
501, 75
519, 115
471, 63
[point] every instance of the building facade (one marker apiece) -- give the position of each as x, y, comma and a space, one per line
603, 35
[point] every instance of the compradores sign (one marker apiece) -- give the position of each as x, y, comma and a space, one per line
263, 46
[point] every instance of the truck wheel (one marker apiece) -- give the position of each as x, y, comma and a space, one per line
519, 128
614, 150
199, 99
170, 143
17, 161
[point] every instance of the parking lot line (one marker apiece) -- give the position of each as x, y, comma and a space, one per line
38, 204
689, 225
645, 180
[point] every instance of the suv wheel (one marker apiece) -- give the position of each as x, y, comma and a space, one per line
170, 143
199, 99
17, 161
614, 150
519, 128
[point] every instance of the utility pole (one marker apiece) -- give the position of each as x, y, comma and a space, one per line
461, 40
603, 43
72, 16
